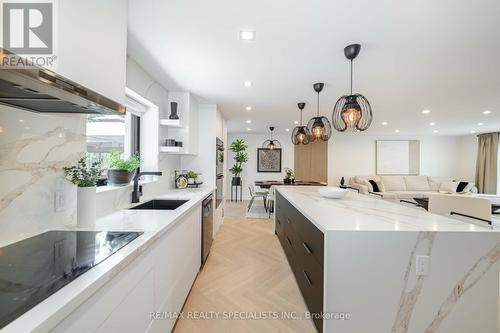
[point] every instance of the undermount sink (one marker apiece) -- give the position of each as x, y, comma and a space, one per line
161, 204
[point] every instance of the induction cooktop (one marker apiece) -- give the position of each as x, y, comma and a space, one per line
35, 268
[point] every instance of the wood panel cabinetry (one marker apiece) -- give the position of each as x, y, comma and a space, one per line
311, 161
303, 244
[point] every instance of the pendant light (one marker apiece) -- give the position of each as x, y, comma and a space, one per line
352, 112
319, 126
301, 134
271, 143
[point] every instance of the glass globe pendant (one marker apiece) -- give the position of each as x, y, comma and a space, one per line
301, 134
319, 126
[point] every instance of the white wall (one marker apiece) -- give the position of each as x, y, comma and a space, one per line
250, 173
354, 154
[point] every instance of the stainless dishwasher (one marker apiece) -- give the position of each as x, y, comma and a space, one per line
207, 222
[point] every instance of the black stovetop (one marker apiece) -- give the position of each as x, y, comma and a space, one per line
33, 269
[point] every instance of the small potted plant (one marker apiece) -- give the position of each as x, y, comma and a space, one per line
85, 175
290, 175
191, 175
121, 170
238, 147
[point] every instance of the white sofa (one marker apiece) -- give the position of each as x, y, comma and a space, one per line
402, 187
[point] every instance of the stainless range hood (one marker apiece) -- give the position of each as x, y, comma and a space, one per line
41, 90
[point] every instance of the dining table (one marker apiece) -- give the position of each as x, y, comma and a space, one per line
266, 184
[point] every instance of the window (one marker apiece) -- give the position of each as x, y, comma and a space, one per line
104, 133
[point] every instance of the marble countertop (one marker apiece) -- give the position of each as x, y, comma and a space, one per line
358, 212
154, 223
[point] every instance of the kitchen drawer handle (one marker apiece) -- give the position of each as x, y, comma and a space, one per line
288, 240
308, 249
278, 221
307, 278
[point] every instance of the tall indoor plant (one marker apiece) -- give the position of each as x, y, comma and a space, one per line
85, 176
238, 147
121, 170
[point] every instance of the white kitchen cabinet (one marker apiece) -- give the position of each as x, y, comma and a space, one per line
158, 280
93, 52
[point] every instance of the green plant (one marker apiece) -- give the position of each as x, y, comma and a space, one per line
289, 173
116, 162
82, 174
238, 147
192, 174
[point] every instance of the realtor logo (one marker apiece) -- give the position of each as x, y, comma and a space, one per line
28, 27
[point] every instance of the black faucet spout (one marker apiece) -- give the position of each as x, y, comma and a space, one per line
136, 194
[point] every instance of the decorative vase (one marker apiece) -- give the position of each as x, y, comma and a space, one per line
191, 181
173, 111
236, 181
120, 177
85, 206
342, 181
287, 180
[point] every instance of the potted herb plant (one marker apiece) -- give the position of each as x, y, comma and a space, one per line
191, 175
121, 170
238, 147
85, 176
289, 176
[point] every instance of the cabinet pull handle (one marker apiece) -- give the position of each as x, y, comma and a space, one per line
307, 278
307, 248
278, 221
288, 240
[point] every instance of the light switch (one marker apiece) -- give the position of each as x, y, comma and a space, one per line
423, 265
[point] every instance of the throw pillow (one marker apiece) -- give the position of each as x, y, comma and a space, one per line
448, 187
374, 185
464, 187
369, 185
381, 185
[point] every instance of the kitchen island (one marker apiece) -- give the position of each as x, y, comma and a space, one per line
367, 265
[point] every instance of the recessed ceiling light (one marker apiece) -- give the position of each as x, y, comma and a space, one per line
436, 131
248, 84
480, 124
287, 130
384, 123
248, 108
486, 112
249, 129
397, 131
249, 121
21, 120
426, 111
473, 131
296, 122
247, 35
432, 124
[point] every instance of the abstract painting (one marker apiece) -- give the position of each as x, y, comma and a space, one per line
268, 160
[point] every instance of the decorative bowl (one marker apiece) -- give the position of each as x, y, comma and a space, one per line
332, 192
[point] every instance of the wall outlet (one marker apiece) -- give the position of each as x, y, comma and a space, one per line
423, 264
59, 202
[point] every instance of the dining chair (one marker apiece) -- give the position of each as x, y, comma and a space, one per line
256, 194
270, 200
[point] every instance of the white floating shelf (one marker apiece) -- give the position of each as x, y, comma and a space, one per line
170, 122
171, 149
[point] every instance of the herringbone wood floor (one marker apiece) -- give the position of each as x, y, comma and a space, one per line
246, 271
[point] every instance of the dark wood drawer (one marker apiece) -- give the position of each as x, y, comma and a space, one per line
310, 280
312, 239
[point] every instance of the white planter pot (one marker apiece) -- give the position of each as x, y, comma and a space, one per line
86, 206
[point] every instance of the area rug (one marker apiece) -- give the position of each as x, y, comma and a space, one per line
257, 212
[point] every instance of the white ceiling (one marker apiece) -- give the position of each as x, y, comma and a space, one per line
439, 55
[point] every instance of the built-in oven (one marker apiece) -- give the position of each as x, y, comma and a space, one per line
219, 173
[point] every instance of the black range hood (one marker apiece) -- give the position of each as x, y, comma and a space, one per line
41, 90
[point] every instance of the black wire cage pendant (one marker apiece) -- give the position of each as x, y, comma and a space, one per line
352, 112
319, 126
301, 134
271, 143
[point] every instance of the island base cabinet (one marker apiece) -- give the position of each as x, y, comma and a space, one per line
303, 245
157, 281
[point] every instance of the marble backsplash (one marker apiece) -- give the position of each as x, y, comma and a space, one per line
33, 149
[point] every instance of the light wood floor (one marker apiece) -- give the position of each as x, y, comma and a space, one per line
246, 271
